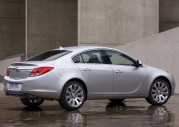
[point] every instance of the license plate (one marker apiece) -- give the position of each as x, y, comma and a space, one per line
14, 86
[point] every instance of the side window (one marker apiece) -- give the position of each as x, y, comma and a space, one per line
118, 58
93, 56
77, 59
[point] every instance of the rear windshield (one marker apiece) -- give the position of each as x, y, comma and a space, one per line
49, 55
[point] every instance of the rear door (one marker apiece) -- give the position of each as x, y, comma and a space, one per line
98, 75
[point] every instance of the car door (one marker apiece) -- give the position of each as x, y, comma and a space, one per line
98, 75
127, 77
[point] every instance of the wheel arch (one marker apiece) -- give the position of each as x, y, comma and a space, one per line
165, 79
150, 98
80, 81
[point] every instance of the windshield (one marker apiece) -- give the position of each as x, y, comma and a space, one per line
49, 55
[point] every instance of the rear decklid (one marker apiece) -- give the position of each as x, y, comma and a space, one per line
22, 70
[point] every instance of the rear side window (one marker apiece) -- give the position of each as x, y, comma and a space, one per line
49, 55
93, 56
78, 59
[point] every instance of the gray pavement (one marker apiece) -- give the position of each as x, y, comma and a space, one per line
100, 113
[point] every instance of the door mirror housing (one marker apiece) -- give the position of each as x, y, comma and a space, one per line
138, 63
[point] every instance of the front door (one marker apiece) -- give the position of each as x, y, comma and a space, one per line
127, 77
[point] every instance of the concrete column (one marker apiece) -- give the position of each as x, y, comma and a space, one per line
12, 27
114, 22
50, 24
169, 16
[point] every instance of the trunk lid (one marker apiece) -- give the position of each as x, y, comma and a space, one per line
22, 70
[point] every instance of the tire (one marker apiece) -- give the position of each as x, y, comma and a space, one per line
32, 102
116, 100
73, 96
159, 92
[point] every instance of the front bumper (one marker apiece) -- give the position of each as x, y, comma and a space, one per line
46, 86
172, 83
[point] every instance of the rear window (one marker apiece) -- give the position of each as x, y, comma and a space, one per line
49, 55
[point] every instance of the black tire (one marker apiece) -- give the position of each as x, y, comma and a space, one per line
159, 94
73, 96
32, 102
117, 100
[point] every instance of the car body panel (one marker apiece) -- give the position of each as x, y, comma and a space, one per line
94, 75
122, 74
101, 80
155, 73
41, 86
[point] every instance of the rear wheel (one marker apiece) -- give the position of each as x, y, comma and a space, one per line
73, 96
32, 102
116, 100
159, 92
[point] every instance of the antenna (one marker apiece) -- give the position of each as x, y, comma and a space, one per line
61, 48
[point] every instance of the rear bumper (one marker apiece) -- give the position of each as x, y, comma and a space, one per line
46, 86
15, 94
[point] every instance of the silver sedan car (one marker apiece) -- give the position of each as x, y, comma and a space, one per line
71, 75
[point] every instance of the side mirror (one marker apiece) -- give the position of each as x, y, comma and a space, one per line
138, 63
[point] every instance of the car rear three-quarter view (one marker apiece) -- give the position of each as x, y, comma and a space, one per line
72, 75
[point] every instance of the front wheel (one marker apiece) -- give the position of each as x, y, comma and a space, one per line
73, 96
32, 102
159, 92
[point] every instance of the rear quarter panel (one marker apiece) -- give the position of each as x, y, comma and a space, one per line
66, 71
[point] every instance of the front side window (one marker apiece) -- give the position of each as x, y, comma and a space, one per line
118, 58
49, 55
93, 56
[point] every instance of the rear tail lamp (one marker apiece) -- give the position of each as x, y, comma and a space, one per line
40, 71
7, 72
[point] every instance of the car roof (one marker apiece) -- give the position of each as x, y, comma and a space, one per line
82, 48
77, 49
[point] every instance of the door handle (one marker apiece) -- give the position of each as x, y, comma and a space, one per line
87, 69
118, 71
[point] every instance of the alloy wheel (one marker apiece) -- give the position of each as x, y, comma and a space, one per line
160, 92
74, 95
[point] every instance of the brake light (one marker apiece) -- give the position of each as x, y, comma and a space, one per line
7, 72
40, 71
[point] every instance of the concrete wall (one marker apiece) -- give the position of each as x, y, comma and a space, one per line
160, 50
51, 23
169, 16
4, 64
12, 27
113, 22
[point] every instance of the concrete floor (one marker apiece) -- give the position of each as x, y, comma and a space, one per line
101, 113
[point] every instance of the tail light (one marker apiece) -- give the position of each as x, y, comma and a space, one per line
7, 72
40, 71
